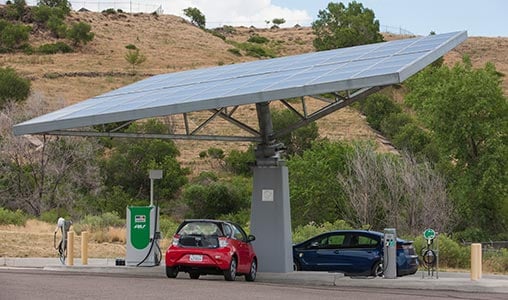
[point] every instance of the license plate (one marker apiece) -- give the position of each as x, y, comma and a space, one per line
196, 257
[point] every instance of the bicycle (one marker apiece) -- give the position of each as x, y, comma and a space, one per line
64, 227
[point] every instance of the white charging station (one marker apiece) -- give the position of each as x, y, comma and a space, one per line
390, 253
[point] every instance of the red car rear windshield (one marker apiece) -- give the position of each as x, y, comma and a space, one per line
200, 228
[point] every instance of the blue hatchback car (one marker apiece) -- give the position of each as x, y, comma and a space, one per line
352, 252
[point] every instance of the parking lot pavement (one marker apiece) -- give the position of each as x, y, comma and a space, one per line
421, 281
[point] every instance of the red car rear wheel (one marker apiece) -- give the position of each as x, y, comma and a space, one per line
171, 272
251, 276
230, 273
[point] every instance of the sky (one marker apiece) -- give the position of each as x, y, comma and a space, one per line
420, 17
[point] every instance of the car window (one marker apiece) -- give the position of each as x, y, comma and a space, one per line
200, 228
227, 230
328, 242
362, 241
336, 241
368, 242
238, 234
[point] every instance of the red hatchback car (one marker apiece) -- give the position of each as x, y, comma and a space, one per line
202, 247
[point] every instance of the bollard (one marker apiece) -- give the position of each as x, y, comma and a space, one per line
84, 248
476, 261
70, 248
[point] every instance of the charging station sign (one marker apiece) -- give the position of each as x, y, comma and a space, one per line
140, 229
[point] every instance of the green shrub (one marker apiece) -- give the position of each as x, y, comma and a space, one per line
58, 47
450, 253
109, 11
235, 51
3, 24
215, 153
43, 13
12, 86
15, 10
213, 199
64, 5
98, 223
131, 47
228, 29
255, 50
377, 107
302, 233
241, 217
252, 49
392, 124
13, 36
496, 260
9, 217
168, 226
217, 34
258, 39
240, 162
80, 33
51, 216
57, 26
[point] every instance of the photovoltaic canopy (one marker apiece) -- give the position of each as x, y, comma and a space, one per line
353, 68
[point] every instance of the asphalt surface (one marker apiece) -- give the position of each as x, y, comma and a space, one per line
442, 281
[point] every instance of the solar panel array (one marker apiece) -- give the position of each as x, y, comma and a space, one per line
252, 82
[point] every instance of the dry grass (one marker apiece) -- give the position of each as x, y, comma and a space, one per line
35, 239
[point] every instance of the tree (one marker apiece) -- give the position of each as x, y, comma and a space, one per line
468, 116
12, 86
299, 140
315, 194
80, 33
134, 58
212, 198
37, 175
129, 160
65, 5
377, 107
338, 26
12, 36
197, 18
278, 21
391, 191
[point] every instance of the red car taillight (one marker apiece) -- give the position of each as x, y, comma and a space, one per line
223, 242
176, 239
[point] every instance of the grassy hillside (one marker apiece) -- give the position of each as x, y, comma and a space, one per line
171, 44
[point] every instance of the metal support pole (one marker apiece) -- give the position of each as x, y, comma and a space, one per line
153, 174
151, 191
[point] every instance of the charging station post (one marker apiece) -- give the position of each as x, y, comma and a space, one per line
390, 253
143, 231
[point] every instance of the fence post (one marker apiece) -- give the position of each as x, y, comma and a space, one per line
84, 248
476, 261
70, 248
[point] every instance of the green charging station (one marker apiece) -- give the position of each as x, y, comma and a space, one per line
142, 240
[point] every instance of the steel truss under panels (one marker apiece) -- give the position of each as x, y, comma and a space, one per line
339, 101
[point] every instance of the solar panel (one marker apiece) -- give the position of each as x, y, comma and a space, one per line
252, 82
